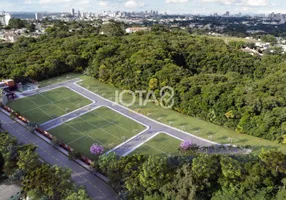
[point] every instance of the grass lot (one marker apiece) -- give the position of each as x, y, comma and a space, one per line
58, 79
229, 39
48, 105
102, 126
192, 125
161, 145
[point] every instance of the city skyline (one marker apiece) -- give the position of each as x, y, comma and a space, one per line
182, 6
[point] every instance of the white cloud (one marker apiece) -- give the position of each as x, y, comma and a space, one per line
53, 1
254, 3
102, 3
257, 2
177, 1
133, 4
28, 2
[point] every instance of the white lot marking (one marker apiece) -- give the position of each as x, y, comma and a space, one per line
40, 108
76, 83
88, 123
81, 133
110, 122
148, 139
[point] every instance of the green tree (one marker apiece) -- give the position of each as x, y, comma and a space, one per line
31, 27
182, 187
55, 142
154, 173
281, 194
16, 23
232, 172
269, 38
112, 28
31, 127
274, 160
52, 182
78, 195
28, 161
206, 171
105, 160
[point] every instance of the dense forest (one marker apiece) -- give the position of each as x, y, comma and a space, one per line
198, 176
212, 80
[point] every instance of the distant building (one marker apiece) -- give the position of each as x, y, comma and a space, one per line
11, 37
136, 29
283, 47
38, 16
5, 18
72, 12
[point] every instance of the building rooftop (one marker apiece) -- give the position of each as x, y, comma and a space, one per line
9, 191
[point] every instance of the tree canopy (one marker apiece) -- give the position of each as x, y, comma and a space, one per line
199, 176
212, 80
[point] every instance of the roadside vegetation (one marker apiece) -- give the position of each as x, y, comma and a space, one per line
198, 176
192, 175
21, 163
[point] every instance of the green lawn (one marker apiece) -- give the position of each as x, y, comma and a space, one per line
102, 126
58, 79
48, 105
161, 145
192, 125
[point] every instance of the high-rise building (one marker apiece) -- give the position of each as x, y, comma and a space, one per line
5, 18
78, 14
38, 16
72, 12
227, 14
271, 15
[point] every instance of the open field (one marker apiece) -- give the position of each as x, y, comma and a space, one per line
161, 145
58, 79
189, 124
229, 39
102, 126
48, 105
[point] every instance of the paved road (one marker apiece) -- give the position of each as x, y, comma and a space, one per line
96, 188
153, 126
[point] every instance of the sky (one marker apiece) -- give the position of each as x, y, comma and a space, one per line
169, 6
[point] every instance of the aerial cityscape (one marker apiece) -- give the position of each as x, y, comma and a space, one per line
137, 99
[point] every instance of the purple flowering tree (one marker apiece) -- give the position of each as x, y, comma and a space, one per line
186, 145
96, 149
